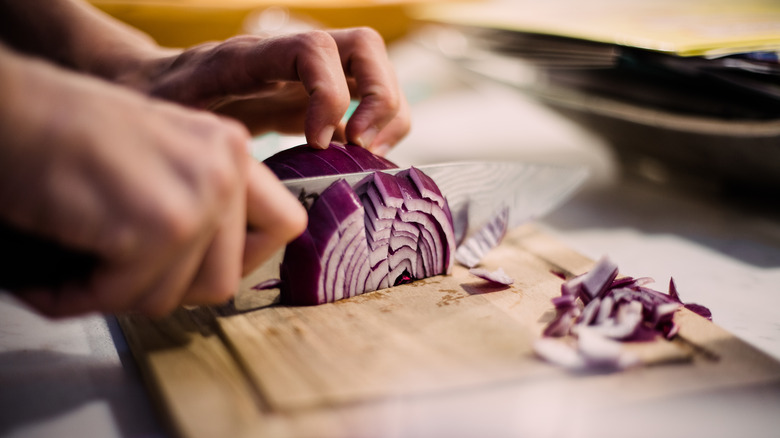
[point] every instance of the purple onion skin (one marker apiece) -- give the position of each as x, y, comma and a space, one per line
299, 286
305, 161
302, 266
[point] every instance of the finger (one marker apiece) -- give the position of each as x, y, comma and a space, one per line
396, 130
364, 58
166, 293
311, 58
220, 271
209, 273
274, 216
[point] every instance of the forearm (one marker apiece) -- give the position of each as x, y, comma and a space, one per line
76, 35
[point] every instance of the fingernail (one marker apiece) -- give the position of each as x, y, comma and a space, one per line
326, 135
367, 137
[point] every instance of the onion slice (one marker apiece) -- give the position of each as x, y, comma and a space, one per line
498, 276
473, 249
386, 230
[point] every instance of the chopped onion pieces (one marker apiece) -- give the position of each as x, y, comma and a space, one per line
597, 309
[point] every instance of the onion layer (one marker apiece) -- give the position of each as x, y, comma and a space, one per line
387, 230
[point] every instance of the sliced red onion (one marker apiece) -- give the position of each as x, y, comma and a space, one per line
699, 310
563, 322
473, 249
615, 309
498, 276
590, 311
602, 352
388, 230
572, 287
591, 351
605, 309
598, 279
626, 322
564, 301
559, 353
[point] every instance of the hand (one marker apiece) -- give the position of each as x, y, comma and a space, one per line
291, 83
159, 193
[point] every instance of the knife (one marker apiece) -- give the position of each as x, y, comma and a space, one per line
476, 191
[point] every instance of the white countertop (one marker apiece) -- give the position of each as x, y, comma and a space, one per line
76, 378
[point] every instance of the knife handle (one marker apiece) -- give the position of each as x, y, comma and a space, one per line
29, 261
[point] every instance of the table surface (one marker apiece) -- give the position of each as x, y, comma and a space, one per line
75, 377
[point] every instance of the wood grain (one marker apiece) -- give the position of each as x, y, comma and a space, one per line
323, 370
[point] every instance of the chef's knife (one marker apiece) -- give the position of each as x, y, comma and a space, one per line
476, 191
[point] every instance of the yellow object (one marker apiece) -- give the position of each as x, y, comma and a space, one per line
685, 28
182, 23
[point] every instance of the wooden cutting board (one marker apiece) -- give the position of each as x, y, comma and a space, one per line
324, 370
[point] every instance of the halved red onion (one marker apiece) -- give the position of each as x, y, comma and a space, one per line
387, 230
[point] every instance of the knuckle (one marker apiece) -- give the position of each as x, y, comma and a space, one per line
222, 168
368, 36
177, 223
317, 40
225, 51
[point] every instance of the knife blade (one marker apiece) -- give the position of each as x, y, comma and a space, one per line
477, 190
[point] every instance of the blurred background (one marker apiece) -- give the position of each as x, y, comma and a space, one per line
687, 90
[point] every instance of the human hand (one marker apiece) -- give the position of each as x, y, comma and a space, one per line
166, 198
291, 83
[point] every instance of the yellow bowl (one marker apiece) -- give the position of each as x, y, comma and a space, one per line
182, 23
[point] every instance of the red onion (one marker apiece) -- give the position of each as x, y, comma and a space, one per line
608, 309
387, 230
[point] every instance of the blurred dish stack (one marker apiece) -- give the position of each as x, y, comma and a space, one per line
678, 88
